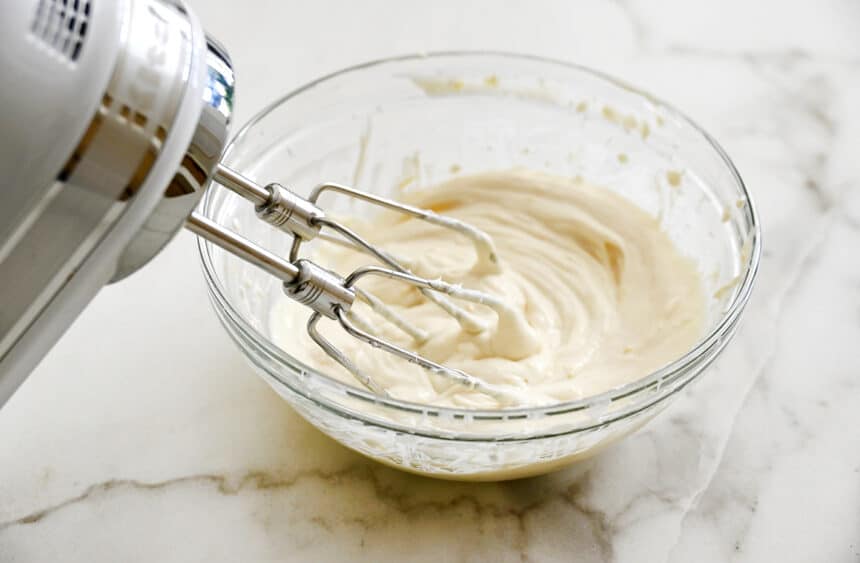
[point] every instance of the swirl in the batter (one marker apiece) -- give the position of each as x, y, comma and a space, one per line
597, 294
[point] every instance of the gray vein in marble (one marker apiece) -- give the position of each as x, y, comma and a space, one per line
732, 505
105, 487
782, 58
793, 277
520, 506
809, 98
644, 43
641, 37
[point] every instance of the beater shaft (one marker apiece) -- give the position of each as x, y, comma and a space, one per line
243, 186
242, 247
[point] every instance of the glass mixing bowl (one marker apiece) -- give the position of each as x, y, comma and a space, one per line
423, 119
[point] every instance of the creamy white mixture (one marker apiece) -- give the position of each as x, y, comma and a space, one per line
596, 294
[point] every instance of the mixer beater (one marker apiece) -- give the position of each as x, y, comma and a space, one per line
329, 295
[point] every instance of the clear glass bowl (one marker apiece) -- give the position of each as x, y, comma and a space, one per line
431, 117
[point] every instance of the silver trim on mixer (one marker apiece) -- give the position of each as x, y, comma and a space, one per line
195, 169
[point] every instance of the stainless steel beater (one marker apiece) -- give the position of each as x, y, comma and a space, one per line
330, 295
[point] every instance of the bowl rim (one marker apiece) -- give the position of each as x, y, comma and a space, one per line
724, 327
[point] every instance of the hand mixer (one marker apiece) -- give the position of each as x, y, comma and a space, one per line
114, 115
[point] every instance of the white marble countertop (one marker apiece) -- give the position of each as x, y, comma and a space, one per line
144, 437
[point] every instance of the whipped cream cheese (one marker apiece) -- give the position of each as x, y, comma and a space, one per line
594, 294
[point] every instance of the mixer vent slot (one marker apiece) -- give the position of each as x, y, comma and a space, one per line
62, 25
